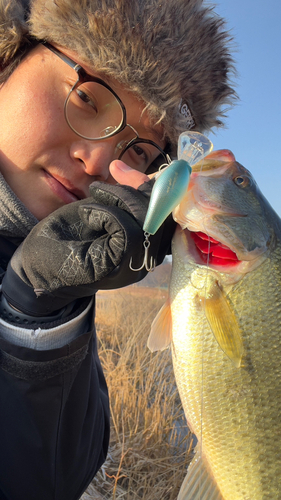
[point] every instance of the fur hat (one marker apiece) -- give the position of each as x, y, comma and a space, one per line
174, 54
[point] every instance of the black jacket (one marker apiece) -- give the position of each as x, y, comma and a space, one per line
54, 416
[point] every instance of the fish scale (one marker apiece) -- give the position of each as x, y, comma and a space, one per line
224, 326
239, 433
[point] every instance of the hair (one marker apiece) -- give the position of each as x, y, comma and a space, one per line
174, 55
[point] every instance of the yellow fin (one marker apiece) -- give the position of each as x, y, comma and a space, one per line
199, 483
224, 324
161, 329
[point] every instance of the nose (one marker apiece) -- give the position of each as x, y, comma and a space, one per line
95, 156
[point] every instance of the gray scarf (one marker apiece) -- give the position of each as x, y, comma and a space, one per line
16, 220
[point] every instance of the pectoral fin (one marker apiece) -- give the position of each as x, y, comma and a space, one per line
199, 483
224, 324
161, 329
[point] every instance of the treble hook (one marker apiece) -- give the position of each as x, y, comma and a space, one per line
149, 266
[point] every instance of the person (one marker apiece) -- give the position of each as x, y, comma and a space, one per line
93, 97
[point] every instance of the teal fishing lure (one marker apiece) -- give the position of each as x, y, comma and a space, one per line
168, 189
171, 185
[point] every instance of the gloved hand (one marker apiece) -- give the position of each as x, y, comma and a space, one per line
84, 247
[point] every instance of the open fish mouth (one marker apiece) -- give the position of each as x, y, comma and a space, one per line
212, 252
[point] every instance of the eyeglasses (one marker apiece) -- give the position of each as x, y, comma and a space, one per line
94, 111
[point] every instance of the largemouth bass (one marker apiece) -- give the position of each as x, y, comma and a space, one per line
223, 321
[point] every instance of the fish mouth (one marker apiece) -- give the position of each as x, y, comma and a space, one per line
212, 252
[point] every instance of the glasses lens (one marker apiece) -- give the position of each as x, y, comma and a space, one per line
142, 155
92, 111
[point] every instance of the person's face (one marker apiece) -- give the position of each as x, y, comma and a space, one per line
45, 163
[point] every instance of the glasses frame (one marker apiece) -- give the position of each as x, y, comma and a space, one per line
84, 77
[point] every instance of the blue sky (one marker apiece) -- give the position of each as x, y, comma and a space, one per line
253, 130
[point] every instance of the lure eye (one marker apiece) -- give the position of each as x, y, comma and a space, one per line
241, 181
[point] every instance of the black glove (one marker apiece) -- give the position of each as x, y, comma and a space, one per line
84, 247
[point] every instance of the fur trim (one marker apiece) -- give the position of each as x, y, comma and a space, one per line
13, 29
167, 52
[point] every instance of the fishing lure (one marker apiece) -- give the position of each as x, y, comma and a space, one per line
170, 186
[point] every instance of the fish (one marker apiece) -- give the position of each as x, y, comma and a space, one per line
222, 321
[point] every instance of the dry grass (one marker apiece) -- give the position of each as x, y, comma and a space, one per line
150, 444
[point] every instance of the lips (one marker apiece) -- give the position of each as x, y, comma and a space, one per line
213, 252
62, 188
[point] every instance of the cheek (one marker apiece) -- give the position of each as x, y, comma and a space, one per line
43, 115
33, 123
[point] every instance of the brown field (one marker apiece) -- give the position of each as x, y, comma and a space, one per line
150, 445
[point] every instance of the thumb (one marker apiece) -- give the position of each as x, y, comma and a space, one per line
123, 174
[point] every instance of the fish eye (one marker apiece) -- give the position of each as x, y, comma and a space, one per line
241, 181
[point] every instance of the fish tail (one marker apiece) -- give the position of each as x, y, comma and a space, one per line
199, 484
